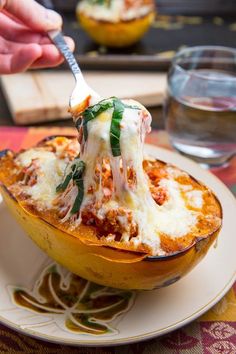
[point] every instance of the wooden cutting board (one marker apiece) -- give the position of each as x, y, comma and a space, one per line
42, 96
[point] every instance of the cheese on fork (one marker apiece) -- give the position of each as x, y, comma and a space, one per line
172, 218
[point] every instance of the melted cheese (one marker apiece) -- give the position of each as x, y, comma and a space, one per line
172, 218
195, 198
49, 174
115, 12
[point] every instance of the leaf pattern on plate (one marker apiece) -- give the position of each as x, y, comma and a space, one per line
85, 307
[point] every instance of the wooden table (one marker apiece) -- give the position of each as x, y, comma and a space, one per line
6, 120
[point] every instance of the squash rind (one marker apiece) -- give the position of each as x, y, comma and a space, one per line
121, 34
105, 265
98, 264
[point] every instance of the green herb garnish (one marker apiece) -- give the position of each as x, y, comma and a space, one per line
62, 186
76, 173
92, 112
79, 198
115, 127
118, 110
101, 2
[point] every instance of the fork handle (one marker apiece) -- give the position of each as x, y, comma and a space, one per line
58, 39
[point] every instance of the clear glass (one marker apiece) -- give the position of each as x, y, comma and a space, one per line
200, 107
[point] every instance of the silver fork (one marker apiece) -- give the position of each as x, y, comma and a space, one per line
83, 95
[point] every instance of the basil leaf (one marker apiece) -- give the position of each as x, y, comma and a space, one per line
131, 106
79, 197
92, 112
115, 127
78, 167
78, 172
101, 2
62, 186
85, 132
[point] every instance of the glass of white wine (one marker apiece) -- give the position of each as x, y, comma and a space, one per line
200, 107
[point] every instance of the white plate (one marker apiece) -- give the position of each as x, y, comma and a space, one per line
148, 314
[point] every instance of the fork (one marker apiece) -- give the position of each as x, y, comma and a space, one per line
83, 95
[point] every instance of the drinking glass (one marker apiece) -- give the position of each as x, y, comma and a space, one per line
200, 108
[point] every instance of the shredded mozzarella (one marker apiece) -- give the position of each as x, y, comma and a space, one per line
49, 174
195, 198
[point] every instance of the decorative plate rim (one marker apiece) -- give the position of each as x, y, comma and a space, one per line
128, 340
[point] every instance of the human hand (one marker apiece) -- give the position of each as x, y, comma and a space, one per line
24, 43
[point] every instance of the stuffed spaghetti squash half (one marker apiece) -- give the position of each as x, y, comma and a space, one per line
103, 210
116, 23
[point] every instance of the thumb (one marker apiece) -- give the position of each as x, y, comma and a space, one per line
32, 14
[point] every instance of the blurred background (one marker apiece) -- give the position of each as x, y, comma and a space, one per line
143, 65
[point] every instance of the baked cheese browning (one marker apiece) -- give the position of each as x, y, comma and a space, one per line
116, 10
38, 170
163, 180
105, 185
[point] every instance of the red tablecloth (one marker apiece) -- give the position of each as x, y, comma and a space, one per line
212, 333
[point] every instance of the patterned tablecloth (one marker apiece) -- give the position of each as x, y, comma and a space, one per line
212, 333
